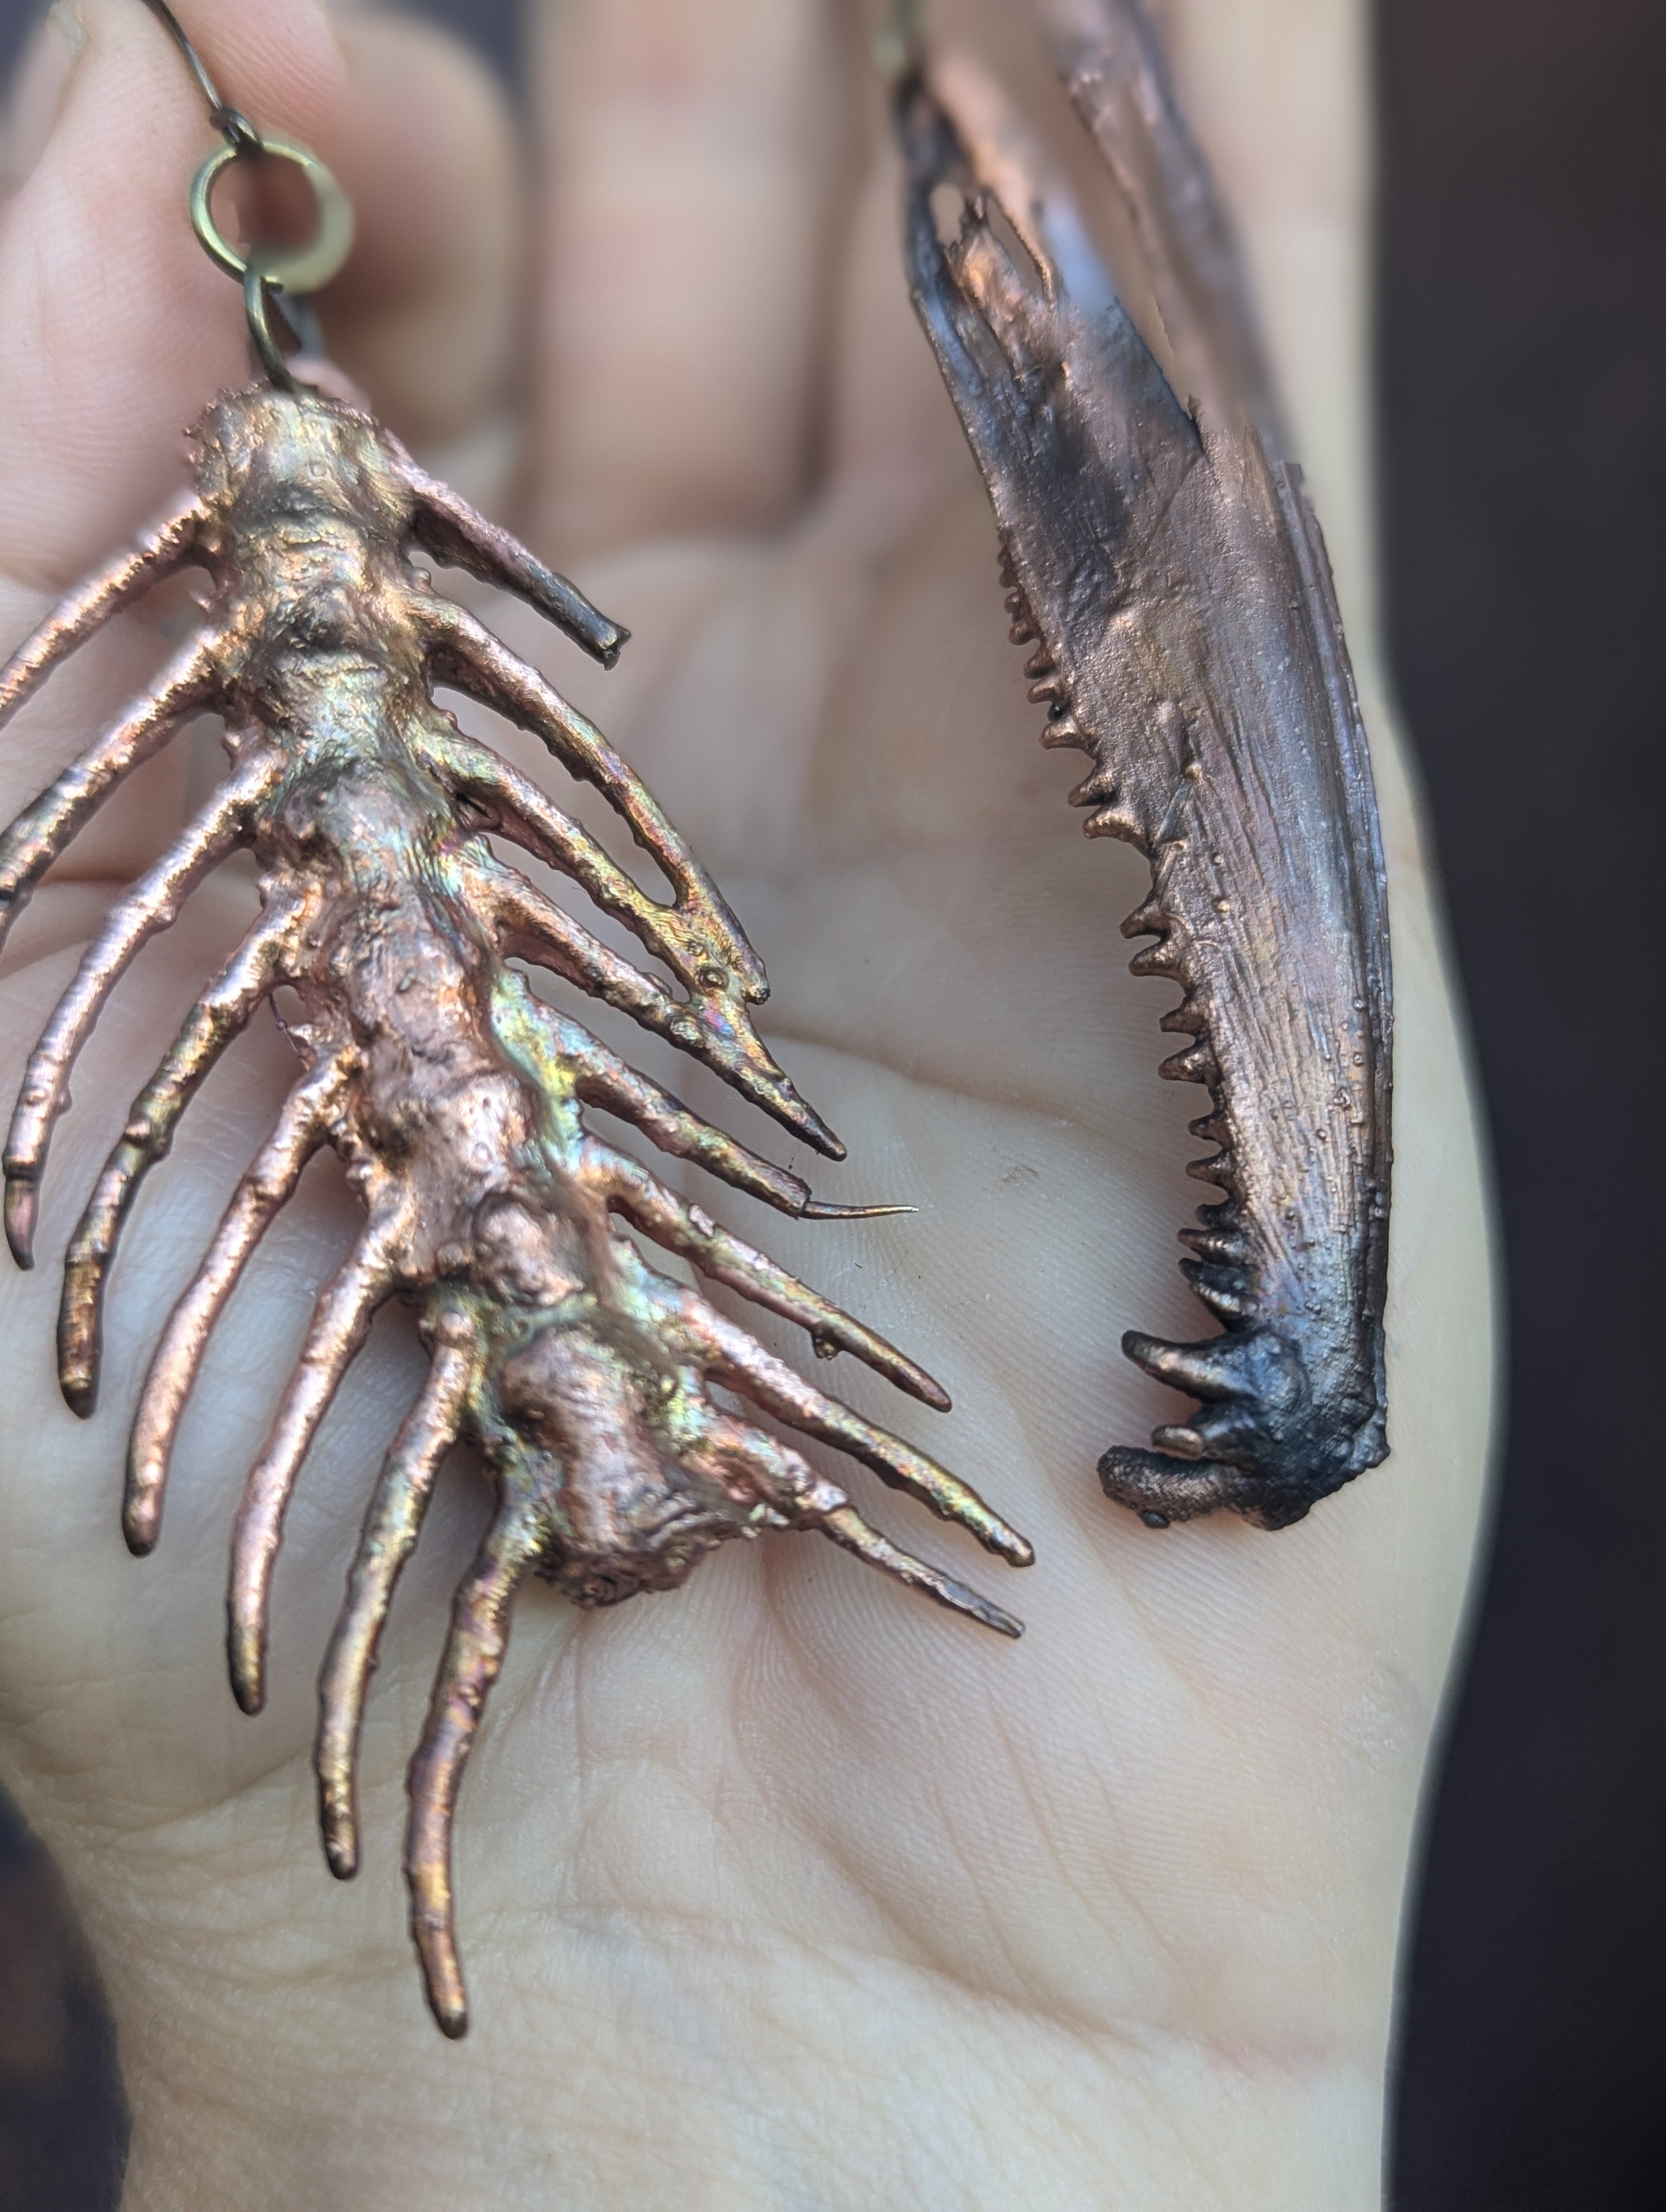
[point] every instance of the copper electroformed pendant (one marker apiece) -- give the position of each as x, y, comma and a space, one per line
585, 1378
1165, 567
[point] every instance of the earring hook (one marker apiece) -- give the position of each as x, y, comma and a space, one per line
265, 272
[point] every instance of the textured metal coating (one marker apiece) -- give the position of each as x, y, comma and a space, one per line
1168, 572
587, 1380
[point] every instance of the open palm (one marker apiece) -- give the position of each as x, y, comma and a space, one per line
788, 1889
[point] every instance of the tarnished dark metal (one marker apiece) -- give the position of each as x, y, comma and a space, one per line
587, 1379
1168, 573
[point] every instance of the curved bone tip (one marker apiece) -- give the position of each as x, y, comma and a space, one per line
341, 1841
1017, 1551
139, 1531
248, 1675
78, 1382
442, 1977
817, 1209
992, 1615
22, 1206
809, 1123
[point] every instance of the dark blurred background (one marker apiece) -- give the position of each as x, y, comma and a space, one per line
1521, 340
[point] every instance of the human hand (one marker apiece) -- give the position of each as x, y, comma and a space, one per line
787, 1888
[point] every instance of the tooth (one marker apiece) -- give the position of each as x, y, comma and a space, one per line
1200, 1370
1065, 730
1147, 921
1023, 633
1185, 1017
1227, 1292
1224, 1246
1163, 959
1185, 1443
1095, 790
1197, 1064
1040, 663
1213, 1127
1232, 1430
1048, 688
1219, 1171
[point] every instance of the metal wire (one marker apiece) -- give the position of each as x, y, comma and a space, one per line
234, 127
263, 274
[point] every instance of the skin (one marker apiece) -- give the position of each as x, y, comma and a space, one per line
786, 1889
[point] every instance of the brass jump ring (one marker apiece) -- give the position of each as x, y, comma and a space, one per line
300, 269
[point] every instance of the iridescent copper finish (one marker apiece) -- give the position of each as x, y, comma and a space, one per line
585, 1377
1166, 568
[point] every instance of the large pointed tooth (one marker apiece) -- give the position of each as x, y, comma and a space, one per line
1185, 1443
1232, 1430
1225, 1246
1197, 1064
1203, 1370
1227, 1292
1147, 921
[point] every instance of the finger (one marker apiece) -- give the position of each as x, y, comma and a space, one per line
423, 318
895, 441
692, 150
1291, 149
37, 85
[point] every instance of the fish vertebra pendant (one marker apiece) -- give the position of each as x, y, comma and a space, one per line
585, 1377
